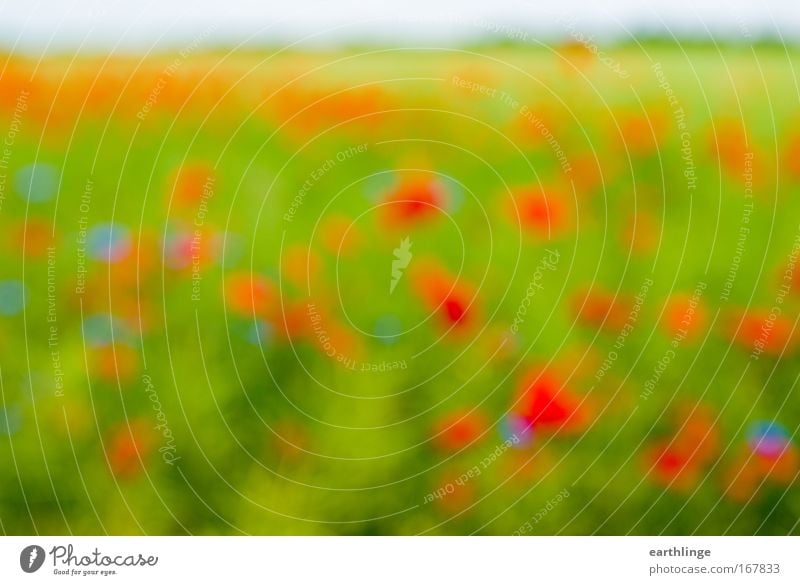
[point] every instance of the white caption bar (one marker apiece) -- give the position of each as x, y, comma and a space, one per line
401, 560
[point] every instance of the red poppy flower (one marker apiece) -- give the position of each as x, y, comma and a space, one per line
546, 404
678, 463
442, 293
413, 200
671, 466
458, 429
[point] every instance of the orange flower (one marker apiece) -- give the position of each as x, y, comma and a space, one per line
333, 339
728, 143
783, 468
757, 330
127, 447
14, 82
642, 133
191, 183
314, 107
249, 295
792, 157
293, 322
602, 309
684, 315
587, 173
697, 435
750, 470
115, 363
33, 237
541, 211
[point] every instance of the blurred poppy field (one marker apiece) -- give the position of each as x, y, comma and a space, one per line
478, 291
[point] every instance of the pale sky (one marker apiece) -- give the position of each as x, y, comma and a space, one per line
58, 24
